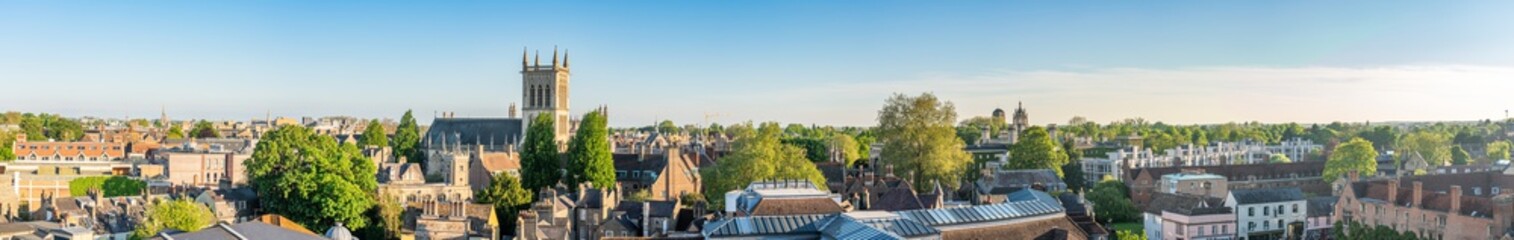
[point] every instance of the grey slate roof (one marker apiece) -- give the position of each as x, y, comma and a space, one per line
245, 230
1267, 195
1009, 181
474, 131
1322, 206
1185, 204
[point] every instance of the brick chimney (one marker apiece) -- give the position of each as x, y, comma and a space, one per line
1393, 192
1353, 176
1418, 194
1455, 199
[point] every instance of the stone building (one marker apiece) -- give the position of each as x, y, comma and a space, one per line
544, 90
450, 219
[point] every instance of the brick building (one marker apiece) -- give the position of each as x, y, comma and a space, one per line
1430, 206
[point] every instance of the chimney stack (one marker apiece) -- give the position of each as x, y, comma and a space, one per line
512, 110
1418, 193
1455, 199
1353, 176
646, 218
1393, 192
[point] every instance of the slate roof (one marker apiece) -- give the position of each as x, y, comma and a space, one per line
663, 209
1268, 195
1009, 181
1322, 206
474, 131
1185, 204
245, 230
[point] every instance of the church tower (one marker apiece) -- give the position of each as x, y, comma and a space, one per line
544, 90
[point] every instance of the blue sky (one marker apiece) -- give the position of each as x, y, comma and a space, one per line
829, 62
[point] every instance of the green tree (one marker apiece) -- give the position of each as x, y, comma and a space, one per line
1381, 137
175, 132
539, 156
864, 146
1355, 155
1129, 235
589, 159
181, 215
1111, 202
389, 219
1435, 147
63, 129
1499, 150
374, 135
1073, 171
981, 123
312, 179
6, 140
757, 155
667, 126
205, 129
32, 126
814, 149
919, 139
507, 196
1459, 156
1036, 150
795, 129
845, 146
1279, 158
407, 136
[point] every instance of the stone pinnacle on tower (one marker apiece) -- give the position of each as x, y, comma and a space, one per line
564, 58
538, 57
523, 58
554, 58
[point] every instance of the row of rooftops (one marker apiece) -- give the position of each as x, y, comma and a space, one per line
889, 225
797, 207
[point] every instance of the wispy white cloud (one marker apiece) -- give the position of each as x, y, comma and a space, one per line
1183, 95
